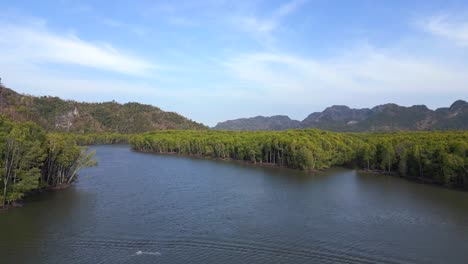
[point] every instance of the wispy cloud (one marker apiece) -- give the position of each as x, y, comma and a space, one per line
37, 44
449, 26
358, 73
263, 28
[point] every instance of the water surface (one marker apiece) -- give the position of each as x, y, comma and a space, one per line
145, 208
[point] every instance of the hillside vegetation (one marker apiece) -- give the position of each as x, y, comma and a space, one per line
55, 114
387, 117
259, 123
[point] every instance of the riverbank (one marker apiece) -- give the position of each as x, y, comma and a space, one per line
418, 180
21, 203
259, 164
223, 212
35, 160
436, 157
10, 206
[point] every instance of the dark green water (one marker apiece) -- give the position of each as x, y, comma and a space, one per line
144, 208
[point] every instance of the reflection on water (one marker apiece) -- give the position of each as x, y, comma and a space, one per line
144, 208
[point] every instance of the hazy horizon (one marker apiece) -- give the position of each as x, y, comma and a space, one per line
217, 60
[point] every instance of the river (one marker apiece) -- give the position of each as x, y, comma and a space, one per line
146, 208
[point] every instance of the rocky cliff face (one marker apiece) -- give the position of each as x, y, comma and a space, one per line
65, 121
336, 113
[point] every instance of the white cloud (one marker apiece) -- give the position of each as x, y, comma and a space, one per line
449, 27
36, 80
191, 103
359, 73
37, 45
263, 28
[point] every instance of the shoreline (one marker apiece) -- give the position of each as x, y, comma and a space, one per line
259, 164
21, 202
13, 205
418, 180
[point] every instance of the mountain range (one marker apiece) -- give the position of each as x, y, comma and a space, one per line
387, 117
55, 114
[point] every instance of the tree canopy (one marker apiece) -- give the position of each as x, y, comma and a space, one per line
437, 157
30, 159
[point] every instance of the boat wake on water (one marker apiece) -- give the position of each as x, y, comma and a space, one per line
139, 252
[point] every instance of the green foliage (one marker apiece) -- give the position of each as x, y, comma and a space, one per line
259, 123
58, 115
302, 149
437, 157
31, 159
97, 138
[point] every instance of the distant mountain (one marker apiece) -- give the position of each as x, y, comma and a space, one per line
278, 122
387, 117
55, 114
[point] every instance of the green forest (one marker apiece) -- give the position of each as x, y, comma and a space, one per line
33, 160
433, 157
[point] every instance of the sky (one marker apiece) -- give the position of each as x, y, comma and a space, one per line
215, 60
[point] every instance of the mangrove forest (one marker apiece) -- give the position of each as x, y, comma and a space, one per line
433, 157
33, 160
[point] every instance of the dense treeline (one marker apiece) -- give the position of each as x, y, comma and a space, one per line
301, 149
97, 138
437, 157
30, 160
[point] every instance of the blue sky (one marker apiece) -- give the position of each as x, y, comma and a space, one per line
213, 60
